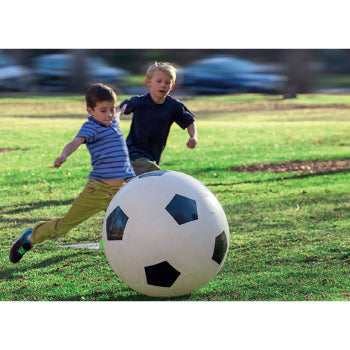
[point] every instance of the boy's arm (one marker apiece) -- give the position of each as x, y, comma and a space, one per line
68, 149
192, 131
130, 105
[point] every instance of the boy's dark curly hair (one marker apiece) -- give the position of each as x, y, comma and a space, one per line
99, 92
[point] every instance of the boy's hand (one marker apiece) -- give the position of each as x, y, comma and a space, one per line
121, 110
192, 142
59, 161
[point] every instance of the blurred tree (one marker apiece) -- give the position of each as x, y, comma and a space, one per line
79, 77
298, 72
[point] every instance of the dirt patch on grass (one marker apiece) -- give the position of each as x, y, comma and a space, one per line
297, 166
3, 150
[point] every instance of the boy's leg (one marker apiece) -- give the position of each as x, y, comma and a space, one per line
95, 197
144, 165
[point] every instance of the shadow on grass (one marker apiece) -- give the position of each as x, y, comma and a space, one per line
34, 180
53, 116
14, 270
282, 178
279, 176
121, 293
25, 207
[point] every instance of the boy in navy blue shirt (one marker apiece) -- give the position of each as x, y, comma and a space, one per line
111, 167
153, 115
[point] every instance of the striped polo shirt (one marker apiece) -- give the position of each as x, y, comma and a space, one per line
108, 150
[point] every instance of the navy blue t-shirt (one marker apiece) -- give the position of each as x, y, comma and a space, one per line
151, 124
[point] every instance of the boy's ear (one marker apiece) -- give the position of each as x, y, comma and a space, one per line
89, 110
172, 86
147, 81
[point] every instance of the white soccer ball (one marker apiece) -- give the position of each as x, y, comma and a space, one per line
165, 234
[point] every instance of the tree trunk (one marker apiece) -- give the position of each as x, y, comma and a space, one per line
79, 75
298, 72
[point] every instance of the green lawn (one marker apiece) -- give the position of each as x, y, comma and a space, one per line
289, 231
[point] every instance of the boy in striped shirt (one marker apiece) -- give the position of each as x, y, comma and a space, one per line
111, 168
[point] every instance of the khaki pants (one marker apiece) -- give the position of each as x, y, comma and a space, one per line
94, 198
143, 165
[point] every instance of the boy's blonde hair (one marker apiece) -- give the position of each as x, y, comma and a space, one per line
165, 67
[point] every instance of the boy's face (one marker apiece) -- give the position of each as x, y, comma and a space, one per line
103, 112
160, 85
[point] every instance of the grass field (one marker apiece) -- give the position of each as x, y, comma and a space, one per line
289, 231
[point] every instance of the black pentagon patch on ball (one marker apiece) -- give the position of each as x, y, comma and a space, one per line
161, 275
220, 247
182, 209
153, 173
116, 223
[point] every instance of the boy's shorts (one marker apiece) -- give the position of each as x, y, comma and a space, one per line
144, 165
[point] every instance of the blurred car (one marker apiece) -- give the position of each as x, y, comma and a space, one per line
228, 74
54, 71
13, 76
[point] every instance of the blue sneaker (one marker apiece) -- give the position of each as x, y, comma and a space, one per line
21, 246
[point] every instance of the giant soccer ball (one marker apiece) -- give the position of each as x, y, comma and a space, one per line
165, 234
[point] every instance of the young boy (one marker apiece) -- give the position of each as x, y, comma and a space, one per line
111, 167
153, 115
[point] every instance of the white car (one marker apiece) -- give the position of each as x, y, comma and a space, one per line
55, 71
14, 77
